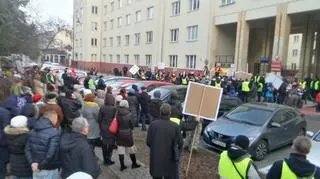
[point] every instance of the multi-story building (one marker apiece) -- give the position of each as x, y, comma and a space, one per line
111, 33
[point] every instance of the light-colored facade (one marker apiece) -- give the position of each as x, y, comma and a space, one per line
144, 32
294, 51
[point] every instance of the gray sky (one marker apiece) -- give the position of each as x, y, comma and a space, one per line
46, 9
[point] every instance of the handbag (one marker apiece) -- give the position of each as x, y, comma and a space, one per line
114, 126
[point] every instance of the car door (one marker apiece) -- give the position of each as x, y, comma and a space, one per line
291, 123
277, 136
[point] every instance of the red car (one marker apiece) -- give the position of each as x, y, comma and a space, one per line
150, 85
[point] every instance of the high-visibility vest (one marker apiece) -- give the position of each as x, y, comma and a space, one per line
316, 85
218, 84
287, 173
245, 86
175, 120
227, 170
260, 87
184, 81
91, 84
256, 79
304, 85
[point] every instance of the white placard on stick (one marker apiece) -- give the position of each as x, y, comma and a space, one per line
161, 66
134, 69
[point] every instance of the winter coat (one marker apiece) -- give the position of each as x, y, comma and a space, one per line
106, 115
68, 81
90, 111
100, 97
176, 108
52, 107
43, 145
133, 106
4, 120
154, 107
101, 85
29, 111
70, 108
74, 158
163, 136
17, 138
124, 136
144, 101
298, 165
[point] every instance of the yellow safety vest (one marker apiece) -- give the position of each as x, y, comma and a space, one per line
218, 84
287, 173
256, 79
184, 81
245, 86
304, 85
175, 120
260, 87
227, 170
316, 85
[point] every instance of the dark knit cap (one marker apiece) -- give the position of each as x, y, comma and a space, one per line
242, 141
157, 94
50, 96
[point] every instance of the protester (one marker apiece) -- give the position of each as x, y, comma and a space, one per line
42, 147
133, 105
106, 114
90, 111
269, 93
176, 106
100, 97
51, 105
236, 162
68, 80
118, 99
101, 84
245, 91
297, 165
59, 80
318, 102
155, 105
5, 117
75, 152
124, 136
123, 93
29, 111
17, 88
17, 133
144, 102
162, 139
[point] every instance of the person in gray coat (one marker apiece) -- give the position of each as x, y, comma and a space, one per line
133, 105
100, 97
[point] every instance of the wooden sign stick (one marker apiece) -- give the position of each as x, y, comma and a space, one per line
192, 144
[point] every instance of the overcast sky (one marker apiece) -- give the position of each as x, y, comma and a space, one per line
46, 9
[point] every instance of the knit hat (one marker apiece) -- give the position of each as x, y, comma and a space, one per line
124, 103
81, 175
242, 141
36, 97
157, 94
86, 92
119, 98
19, 122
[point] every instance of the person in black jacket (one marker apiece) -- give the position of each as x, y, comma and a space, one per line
144, 100
4, 152
42, 147
74, 158
133, 105
101, 84
176, 106
155, 105
17, 134
297, 163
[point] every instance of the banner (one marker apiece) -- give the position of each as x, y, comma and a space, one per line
134, 69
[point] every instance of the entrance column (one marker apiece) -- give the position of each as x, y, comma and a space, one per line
242, 43
281, 34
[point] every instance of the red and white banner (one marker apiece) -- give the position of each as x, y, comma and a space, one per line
276, 66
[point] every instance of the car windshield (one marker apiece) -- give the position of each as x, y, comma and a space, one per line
164, 92
317, 137
249, 115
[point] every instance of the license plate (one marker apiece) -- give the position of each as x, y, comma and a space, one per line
217, 142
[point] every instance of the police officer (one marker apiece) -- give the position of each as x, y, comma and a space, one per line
245, 90
260, 90
297, 165
218, 83
236, 162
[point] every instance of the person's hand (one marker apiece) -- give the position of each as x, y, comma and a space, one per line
34, 167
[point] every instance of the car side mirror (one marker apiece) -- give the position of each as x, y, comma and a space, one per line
275, 125
310, 134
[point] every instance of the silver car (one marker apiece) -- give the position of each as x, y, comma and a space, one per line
314, 155
268, 126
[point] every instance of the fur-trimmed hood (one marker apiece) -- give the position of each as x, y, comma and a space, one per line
15, 131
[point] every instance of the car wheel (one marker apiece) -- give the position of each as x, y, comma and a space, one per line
260, 150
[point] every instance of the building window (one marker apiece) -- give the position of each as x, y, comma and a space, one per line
126, 58
112, 6
148, 59
104, 42
105, 9
174, 35
173, 60
137, 59
227, 2
118, 40
127, 38
94, 9
128, 19
119, 22
94, 42
119, 4
105, 25
194, 5
94, 26
150, 13
104, 57
81, 56
111, 24
176, 8
118, 59
191, 61
110, 58
138, 16
137, 38
293, 66
111, 41
192, 32
295, 52
296, 38
149, 37
129, 1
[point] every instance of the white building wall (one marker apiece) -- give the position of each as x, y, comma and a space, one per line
295, 42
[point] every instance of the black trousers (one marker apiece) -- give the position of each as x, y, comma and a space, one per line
107, 151
95, 143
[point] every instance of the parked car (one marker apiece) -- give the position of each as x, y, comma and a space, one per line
150, 85
314, 155
109, 81
166, 92
268, 127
